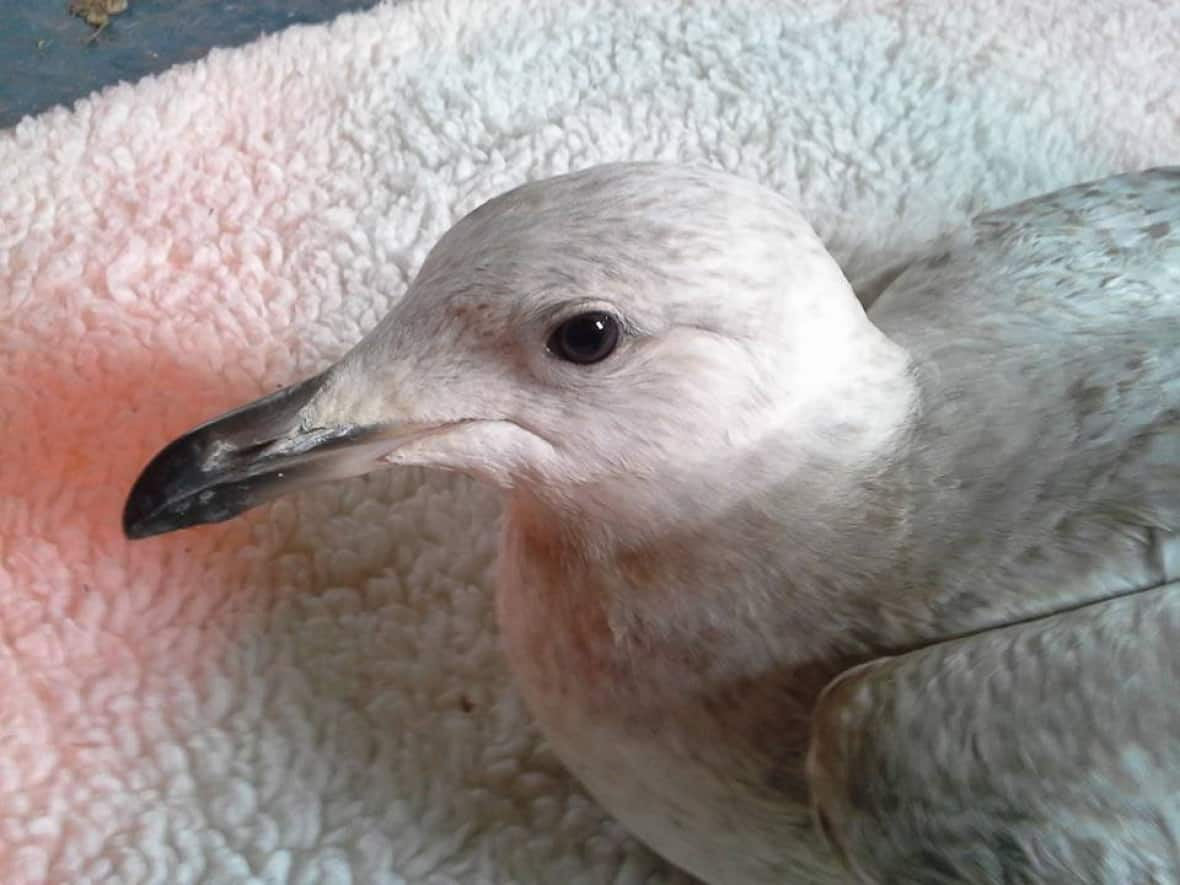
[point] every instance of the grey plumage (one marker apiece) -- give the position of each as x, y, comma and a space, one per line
972, 493
1047, 336
1039, 753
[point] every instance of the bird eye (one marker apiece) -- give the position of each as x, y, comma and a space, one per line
586, 338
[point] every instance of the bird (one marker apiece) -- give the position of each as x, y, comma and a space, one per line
800, 591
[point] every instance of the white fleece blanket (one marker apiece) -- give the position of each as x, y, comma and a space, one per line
314, 693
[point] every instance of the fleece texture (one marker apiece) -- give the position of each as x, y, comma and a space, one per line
314, 693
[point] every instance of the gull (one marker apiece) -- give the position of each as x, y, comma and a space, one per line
801, 592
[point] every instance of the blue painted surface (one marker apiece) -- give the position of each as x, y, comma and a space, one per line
45, 58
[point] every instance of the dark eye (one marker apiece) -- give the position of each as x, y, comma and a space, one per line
586, 338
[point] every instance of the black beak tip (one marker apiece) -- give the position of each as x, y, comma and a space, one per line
134, 529
137, 518
161, 499
221, 469
180, 488
145, 512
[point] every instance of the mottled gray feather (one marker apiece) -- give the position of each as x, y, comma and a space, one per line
1044, 474
1044, 752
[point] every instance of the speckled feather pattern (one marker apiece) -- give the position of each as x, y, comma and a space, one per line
1040, 753
315, 693
1044, 752
1066, 395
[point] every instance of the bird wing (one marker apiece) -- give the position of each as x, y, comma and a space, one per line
1041, 752
1045, 465
1042, 746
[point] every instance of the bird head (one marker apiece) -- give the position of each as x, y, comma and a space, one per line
619, 328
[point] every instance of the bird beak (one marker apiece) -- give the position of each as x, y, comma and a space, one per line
250, 456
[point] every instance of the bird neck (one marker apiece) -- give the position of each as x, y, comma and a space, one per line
817, 515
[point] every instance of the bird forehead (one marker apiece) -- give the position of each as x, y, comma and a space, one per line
529, 287
628, 217
662, 245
